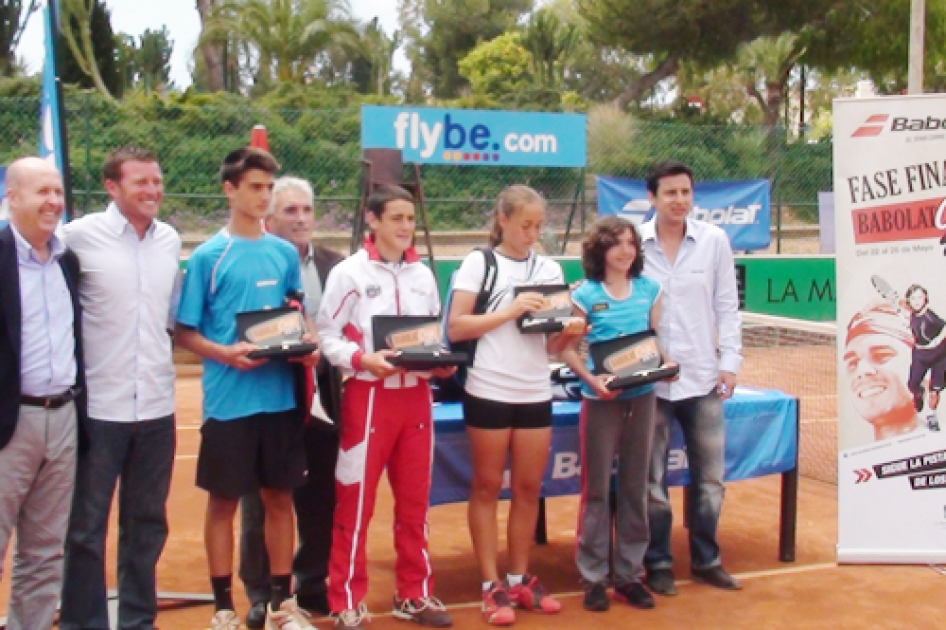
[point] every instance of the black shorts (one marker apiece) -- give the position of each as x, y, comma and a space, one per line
480, 413
240, 456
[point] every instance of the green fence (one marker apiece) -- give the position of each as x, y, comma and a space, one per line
323, 147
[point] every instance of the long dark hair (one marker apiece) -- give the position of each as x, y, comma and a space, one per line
511, 199
604, 235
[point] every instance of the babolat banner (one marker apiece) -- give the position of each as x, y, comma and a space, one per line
741, 208
890, 233
471, 137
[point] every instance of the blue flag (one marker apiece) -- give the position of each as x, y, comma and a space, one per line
52, 143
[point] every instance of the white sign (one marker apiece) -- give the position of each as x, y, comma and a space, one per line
889, 197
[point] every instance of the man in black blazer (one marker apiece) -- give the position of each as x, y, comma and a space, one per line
41, 383
291, 217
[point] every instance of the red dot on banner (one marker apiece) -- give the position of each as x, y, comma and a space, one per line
466, 157
476, 157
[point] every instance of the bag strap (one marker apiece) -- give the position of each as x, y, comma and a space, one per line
486, 290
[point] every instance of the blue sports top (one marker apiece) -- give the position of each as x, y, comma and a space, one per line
610, 318
229, 275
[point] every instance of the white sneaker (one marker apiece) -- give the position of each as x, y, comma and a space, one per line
288, 617
225, 620
353, 619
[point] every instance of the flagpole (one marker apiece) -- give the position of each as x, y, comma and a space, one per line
53, 135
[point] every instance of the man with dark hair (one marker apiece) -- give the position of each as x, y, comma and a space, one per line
878, 348
291, 217
41, 380
251, 439
129, 264
700, 327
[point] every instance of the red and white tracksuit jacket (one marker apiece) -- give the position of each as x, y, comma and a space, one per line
384, 424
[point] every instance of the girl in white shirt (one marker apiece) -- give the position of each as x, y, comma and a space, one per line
507, 401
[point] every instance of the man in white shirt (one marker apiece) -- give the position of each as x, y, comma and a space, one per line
130, 264
700, 327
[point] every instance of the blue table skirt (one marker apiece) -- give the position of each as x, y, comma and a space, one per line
761, 439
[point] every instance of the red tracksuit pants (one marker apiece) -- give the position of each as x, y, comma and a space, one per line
380, 428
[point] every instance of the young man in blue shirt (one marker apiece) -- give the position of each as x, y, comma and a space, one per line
252, 433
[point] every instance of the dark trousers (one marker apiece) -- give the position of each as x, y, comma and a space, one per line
141, 454
315, 505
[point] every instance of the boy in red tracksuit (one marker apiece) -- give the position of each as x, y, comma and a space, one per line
386, 418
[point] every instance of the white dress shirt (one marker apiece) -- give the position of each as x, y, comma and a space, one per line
699, 307
47, 340
126, 290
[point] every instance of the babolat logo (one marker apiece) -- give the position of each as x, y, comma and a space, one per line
728, 216
459, 143
918, 124
873, 126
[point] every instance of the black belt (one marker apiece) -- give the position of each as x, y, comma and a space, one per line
49, 402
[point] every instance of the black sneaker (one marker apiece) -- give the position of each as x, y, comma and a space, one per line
596, 598
634, 595
256, 617
314, 604
661, 581
716, 576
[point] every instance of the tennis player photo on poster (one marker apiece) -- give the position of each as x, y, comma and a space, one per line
890, 225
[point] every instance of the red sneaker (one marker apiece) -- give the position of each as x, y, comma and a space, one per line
497, 607
531, 595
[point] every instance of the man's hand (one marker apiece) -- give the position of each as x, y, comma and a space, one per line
377, 364
600, 386
726, 385
444, 372
235, 356
312, 359
675, 377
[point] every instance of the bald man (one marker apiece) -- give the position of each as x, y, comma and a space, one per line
41, 382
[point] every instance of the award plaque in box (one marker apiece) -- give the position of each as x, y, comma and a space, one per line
277, 331
633, 360
417, 342
553, 315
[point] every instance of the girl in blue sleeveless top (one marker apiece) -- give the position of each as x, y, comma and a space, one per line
616, 300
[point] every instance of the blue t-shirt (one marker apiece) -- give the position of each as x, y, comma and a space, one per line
229, 275
610, 318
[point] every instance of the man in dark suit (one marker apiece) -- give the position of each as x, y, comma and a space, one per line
291, 217
40, 389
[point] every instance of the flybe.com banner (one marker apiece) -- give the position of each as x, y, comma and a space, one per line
740, 208
471, 137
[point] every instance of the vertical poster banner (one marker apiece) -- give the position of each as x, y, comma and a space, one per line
53, 145
890, 205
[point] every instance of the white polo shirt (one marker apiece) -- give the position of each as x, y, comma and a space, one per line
128, 289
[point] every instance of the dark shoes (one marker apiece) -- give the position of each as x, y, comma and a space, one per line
256, 618
596, 598
661, 581
635, 595
716, 576
315, 604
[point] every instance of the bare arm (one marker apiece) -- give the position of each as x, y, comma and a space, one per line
463, 325
233, 355
573, 360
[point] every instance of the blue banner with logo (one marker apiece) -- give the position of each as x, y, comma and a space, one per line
741, 208
471, 137
761, 439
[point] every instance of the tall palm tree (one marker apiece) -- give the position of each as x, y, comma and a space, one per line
280, 40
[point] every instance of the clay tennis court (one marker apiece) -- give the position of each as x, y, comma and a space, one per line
812, 592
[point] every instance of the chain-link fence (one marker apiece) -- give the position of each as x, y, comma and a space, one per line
323, 147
